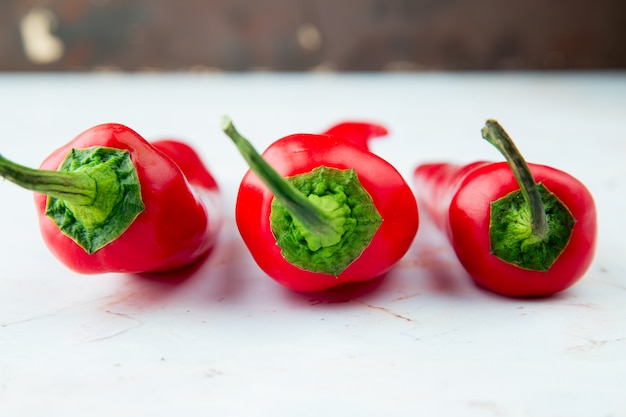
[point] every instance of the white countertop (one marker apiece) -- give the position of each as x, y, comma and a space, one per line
422, 340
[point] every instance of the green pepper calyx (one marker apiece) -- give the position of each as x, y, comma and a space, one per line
349, 209
511, 232
117, 200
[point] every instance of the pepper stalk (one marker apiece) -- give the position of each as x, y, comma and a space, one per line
495, 134
75, 187
301, 208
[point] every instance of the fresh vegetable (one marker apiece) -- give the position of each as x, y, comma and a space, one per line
109, 201
318, 210
518, 229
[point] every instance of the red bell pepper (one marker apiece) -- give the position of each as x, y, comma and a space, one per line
109, 201
318, 210
519, 229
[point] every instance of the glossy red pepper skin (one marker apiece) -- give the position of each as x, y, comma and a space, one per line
182, 213
458, 198
301, 153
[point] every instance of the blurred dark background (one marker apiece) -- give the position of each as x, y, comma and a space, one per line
311, 35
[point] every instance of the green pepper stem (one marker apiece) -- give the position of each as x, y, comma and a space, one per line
75, 187
495, 134
296, 203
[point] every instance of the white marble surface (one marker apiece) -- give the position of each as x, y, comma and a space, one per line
229, 341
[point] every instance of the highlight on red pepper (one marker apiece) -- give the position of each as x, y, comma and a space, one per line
318, 210
109, 201
519, 229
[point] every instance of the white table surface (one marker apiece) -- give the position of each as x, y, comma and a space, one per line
422, 340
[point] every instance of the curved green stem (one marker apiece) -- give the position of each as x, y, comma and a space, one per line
75, 187
298, 205
495, 134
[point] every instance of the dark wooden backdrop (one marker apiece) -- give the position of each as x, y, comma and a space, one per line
305, 35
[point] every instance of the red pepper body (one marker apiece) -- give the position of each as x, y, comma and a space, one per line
301, 153
458, 199
182, 207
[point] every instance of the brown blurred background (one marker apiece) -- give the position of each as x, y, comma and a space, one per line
309, 35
